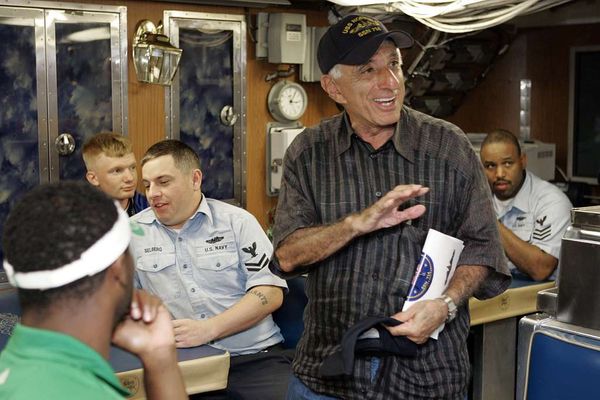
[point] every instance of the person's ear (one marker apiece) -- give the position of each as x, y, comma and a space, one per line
197, 179
92, 178
524, 160
118, 271
330, 87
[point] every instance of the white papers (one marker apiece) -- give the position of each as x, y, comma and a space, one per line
435, 269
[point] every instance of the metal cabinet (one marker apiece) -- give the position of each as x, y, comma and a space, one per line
63, 78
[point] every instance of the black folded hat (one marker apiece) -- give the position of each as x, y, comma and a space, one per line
342, 361
354, 39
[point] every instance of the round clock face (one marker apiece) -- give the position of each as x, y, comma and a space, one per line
287, 101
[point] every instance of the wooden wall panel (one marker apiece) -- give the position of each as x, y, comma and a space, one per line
494, 103
539, 54
146, 102
319, 106
549, 53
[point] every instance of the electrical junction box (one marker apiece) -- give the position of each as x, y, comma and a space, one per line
309, 70
279, 137
287, 38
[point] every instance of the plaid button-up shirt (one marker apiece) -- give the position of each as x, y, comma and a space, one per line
329, 172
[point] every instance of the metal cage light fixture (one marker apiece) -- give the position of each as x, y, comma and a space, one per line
155, 59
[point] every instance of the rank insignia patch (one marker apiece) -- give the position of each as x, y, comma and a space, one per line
542, 233
257, 266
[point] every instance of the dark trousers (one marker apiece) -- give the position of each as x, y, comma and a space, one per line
263, 376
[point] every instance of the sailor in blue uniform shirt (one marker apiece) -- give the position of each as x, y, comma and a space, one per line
533, 214
208, 262
207, 267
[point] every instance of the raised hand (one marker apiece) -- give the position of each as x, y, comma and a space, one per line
147, 328
385, 213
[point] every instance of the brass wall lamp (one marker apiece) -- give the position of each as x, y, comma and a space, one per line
155, 59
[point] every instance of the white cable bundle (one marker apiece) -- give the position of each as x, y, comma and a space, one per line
457, 16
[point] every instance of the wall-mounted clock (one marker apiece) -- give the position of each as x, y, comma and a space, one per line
287, 101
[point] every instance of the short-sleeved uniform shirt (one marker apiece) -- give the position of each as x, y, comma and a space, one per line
539, 214
207, 267
329, 173
42, 364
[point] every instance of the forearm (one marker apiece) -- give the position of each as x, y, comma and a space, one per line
256, 305
528, 258
162, 377
465, 281
307, 246
423, 317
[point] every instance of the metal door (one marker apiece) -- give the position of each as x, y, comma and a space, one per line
87, 82
63, 77
205, 106
23, 111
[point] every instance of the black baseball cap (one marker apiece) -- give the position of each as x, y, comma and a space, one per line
354, 39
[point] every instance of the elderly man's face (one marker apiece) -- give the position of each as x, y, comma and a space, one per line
372, 93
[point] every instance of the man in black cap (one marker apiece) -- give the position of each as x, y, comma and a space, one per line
359, 193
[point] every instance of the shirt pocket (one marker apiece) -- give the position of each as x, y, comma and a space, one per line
414, 235
221, 271
522, 227
158, 275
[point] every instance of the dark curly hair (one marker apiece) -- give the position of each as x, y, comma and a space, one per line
51, 226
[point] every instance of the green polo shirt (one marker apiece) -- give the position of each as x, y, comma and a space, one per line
42, 364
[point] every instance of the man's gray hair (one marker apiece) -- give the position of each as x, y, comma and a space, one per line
335, 72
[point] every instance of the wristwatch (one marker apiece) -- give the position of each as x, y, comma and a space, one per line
452, 309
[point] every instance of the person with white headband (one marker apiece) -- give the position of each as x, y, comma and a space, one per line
66, 251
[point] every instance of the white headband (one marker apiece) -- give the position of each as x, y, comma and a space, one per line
98, 257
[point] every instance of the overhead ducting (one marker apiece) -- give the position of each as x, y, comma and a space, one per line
234, 3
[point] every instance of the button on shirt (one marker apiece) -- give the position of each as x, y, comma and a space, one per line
42, 364
207, 267
539, 214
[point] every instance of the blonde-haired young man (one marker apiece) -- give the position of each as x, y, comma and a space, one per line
111, 167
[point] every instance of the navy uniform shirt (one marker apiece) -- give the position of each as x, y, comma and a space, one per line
539, 214
207, 267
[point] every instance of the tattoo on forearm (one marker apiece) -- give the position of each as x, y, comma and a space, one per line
263, 299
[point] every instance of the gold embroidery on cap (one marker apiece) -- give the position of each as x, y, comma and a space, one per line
361, 26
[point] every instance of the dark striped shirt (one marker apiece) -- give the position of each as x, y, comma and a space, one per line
329, 172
